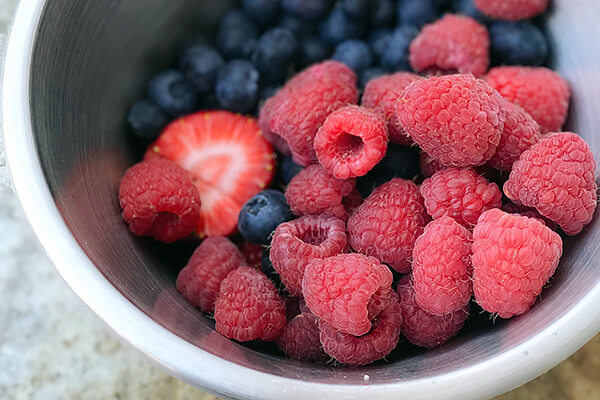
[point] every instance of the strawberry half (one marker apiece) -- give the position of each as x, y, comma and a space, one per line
228, 159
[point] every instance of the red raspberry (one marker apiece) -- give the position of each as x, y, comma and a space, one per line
388, 222
456, 119
381, 95
511, 10
347, 291
300, 339
292, 307
249, 307
453, 43
429, 165
159, 199
352, 201
422, 328
540, 91
520, 133
297, 242
557, 177
461, 194
298, 110
351, 142
199, 281
316, 191
513, 258
373, 346
252, 254
513, 208
442, 267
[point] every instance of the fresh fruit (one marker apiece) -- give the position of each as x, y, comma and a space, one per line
300, 339
263, 12
511, 10
378, 40
417, 12
274, 54
338, 27
369, 74
172, 93
146, 120
262, 214
429, 165
237, 86
395, 55
310, 9
356, 54
201, 64
356, 9
382, 13
252, 254
236, 36
467, 7
312, 50
518, 43
288, 169
269, 271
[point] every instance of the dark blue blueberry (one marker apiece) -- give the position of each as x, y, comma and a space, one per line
467, 7
234, 17
517, 43
357, 9
338, 27
442, 5
298, 26
379, 39
236, 36
288, 169
269, 91
383, 13
237, 86
263, 12
356, 54
310, 9
417, 12
172, 93
312, 50
262, 214
399, 162
395, 56
201, 64
274, 54
371, 73
269, 271
146, 120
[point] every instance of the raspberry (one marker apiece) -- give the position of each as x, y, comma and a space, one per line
513, 208
316, 191
297, 242
388, 222
525, 254
159, 199
300, 339
520, 133
352, 201
456, 119
375, 345
442, 267
249, 307
347, 291
351, 142
557, 177
252, 254
199, 281
422, 328
511, 10
381, 95
429, 165
540, 91
298, 110
452, 43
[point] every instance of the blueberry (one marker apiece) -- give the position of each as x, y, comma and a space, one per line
379, 39
237, 86
274, 54
442, 5
172, 93
399, 162
310, 9
395, 56
417, 12
269, 271
356, 9
518, 43
268, 91
288, 169
146, 120
236, 36
263, 12
467, 7
234, 17
262, 214
383, 13
338, 27
356, 54
312, 50
201, 64
298, 26
371, 73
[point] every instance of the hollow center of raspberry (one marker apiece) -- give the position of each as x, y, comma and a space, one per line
348, 145
313, 237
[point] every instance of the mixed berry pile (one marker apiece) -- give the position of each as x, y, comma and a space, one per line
361, 171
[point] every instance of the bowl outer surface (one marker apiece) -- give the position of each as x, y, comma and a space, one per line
72, 67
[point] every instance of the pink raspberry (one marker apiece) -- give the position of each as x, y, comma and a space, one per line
557, 177
456, 119
373, 346
442, 267
352, 201
453, 43
429, 165
252, 254
513, 208
422, 328
388, 222
297, 242
540, 91
511, 10
461, 194
351, 142
520, 133
159, 199
300, 339
316, 191
249, 307
200, 280
297, 111
347, 291
381, 95
513, 258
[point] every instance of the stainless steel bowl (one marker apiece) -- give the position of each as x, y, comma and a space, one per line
72, 68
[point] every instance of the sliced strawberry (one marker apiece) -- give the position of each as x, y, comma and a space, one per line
229, 161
